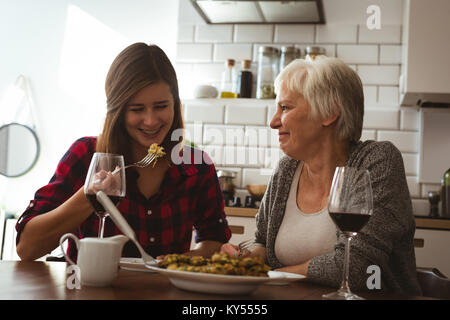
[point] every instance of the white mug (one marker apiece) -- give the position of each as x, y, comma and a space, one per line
98, 259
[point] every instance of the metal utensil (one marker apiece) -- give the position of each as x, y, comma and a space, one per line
245, 246
144, 162
123, 225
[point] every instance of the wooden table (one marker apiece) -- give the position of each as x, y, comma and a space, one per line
21, 280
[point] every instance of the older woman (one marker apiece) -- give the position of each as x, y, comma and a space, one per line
319, 117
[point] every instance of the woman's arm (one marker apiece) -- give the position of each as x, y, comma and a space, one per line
42, 233
59, 207
389, 226
211, 225
299, 268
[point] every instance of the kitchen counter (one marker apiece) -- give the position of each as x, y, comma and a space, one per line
422, 222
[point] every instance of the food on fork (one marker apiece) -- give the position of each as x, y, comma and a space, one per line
157, 150
219, 263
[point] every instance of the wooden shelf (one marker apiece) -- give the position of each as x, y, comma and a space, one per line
241, 212
430, 223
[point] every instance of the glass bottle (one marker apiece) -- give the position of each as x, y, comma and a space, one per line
445, 194
288, 54
268, 67
228, 85
313, 52
245, 80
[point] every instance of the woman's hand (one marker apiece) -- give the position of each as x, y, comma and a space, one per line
233, 250
106, 182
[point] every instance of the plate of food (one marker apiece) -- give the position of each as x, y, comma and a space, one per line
221, 274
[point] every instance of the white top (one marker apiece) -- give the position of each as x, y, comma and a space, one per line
303, 236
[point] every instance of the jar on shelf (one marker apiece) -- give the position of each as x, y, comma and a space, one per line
289, 54
268, 68
313, 52
228, 85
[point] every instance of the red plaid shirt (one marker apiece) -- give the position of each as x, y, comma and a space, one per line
189, 197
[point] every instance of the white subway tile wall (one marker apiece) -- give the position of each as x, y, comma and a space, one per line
214, 33
236, 133
359, 54
386, 34
253, 33
291, 33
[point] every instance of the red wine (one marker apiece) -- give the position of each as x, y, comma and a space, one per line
349, 222
98, 206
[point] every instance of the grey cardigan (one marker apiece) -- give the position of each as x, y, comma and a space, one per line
386, 240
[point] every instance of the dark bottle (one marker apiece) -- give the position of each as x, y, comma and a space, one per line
245, 80
433, 198
236, 202
445, 194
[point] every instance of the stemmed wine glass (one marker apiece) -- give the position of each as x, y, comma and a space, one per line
350, 206
100, 177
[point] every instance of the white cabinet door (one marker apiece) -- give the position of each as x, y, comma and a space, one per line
243, 228
436, 250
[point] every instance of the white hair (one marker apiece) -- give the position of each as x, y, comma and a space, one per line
330, 88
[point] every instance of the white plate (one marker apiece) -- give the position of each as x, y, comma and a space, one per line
217, 283
283, 278
134, 264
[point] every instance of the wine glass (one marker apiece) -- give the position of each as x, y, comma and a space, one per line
350, 206
100, 177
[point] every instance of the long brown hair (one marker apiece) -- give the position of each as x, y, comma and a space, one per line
136, 67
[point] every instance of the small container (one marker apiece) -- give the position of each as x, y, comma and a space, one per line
433, 198
245, 80
228, 85
288, 54
445, 195
226, 185
268, 68
236, 202
249, 202
313, 52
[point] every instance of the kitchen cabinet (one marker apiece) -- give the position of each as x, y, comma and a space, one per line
242, 223
425, 61
433, 250
434, 150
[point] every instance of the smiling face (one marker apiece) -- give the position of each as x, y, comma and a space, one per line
298, 132
149, 116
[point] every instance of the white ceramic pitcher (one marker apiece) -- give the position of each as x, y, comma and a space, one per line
98, 258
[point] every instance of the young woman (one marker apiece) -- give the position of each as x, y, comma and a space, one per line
163, 203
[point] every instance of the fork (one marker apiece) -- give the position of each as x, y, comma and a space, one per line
245, 245
144, 162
